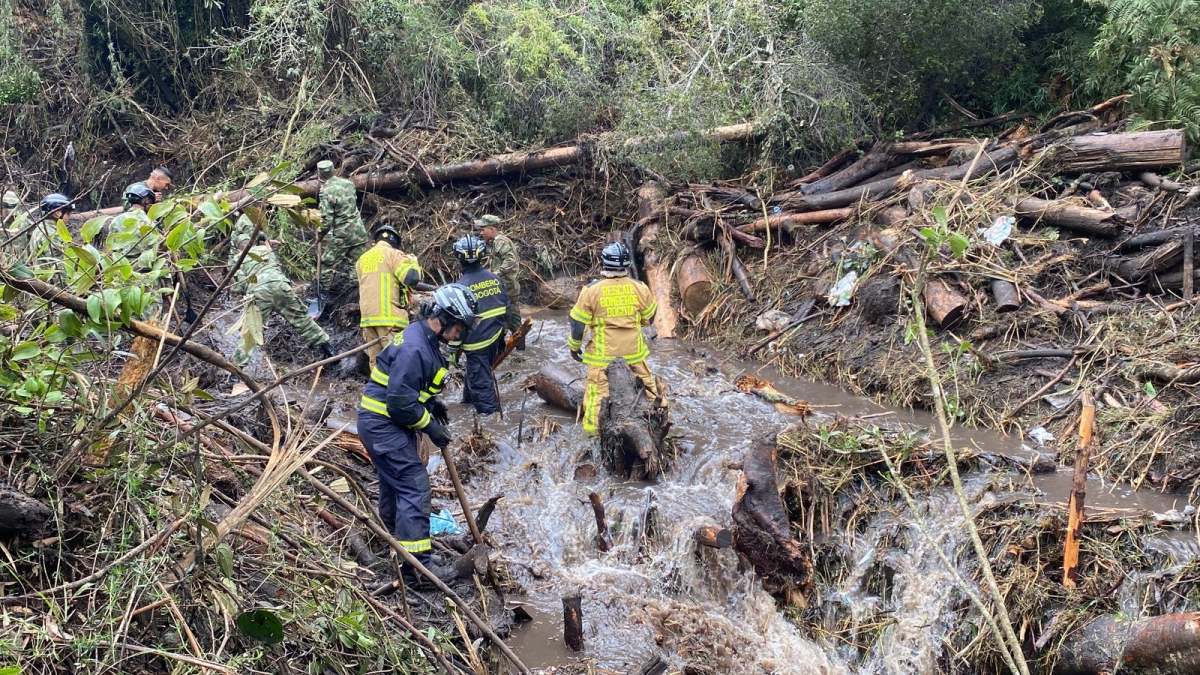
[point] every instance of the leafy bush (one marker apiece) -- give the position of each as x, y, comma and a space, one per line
1151, 48
911, 52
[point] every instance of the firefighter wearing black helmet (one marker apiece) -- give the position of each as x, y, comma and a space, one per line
386, 277
484, 342
613, 308
401, 401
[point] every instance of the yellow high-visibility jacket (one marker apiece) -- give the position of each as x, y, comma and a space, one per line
615, 310
386, 276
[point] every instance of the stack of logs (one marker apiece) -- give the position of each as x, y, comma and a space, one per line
724, 215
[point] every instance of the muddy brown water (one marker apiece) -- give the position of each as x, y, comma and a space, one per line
654, 593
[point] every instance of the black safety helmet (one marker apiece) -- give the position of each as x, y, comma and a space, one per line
138, 192
55, 201
389, 234
615, 257
470, 250
455, 303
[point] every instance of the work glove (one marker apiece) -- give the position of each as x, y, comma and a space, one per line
439, 411
577, 355
438, 434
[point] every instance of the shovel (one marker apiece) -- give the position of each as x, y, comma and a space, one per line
316, 305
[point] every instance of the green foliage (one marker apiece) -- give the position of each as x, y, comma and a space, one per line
20, 82
1152, 49
911, 52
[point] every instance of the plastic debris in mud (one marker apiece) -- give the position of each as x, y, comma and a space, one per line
843, 290
999, 231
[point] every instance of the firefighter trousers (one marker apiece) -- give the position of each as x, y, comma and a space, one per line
597, 390
479, 383
405, 496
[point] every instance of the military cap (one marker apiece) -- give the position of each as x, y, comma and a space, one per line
325, 167
487, 221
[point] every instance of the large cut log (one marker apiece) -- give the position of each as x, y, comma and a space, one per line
559, 387
655, 271
789, 221
1160, 645
929, 148
20, 513
712, 536
761, 531
1065, 214
997, 160
695, 284
1159, 259
944, 305
1133, 151
558, 293
489, 167
633, 428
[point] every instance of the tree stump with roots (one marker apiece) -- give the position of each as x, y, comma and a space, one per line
633, 428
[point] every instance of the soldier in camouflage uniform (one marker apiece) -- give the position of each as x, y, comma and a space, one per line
158, 183
502, 260
344, 237
261, 278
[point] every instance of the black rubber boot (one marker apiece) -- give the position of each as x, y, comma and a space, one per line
326, 350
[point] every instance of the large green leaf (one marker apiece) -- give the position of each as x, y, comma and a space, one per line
26, 351
262, 625
176, 235
92, 227
61, 228
95, 307
69, 323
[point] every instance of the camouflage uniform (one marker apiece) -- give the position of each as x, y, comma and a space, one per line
261, 278
346, 238
502, 256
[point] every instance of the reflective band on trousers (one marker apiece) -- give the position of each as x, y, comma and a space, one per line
418, 546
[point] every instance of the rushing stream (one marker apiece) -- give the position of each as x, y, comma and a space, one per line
654, 592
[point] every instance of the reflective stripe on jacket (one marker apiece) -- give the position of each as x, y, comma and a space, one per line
383, 296
409, 371
493, 305
615, 310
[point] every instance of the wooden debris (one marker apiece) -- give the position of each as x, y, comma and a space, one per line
1160, 645
573, 622
559, 387
558, 293
603, 538
749, 384
20, 513
695, 284
1130, 151
1078, 488
655, 271
633, 429
474, 562
1006, 295
789, 221
712, 536
1068, 215
761, 531
513, 340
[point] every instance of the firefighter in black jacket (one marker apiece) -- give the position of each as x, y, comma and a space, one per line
484, 343
401, 400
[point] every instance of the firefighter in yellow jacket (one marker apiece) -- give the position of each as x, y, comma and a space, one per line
386, 277
615, 308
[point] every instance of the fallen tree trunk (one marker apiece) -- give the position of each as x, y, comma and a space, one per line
1064, 214
559, 387
761, 531
633, 429
489, 167
603, 538
695, 284
788, 221
835, 163
878, 159
928, 148
1131, 151
656, 274
1160, 645
20, 513
706, 226
997, 160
